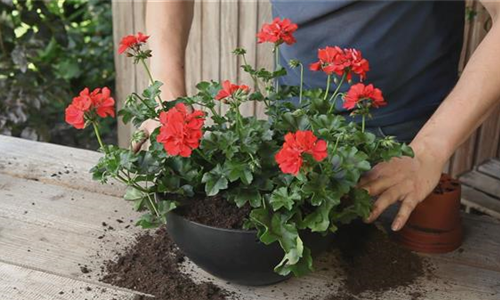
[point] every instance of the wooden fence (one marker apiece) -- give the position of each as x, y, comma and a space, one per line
221, 26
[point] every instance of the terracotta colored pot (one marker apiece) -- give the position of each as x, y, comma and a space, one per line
435, 225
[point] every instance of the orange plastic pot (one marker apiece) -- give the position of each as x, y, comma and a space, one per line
435, 225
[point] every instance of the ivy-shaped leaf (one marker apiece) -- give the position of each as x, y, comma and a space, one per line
215, 181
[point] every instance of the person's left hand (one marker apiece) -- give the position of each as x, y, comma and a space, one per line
405, 179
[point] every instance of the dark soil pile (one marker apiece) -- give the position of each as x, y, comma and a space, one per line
374, 263
217, 212
151, 265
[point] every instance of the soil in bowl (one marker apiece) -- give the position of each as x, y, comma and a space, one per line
216, 212
152, 265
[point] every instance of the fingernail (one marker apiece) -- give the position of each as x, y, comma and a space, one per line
396, 226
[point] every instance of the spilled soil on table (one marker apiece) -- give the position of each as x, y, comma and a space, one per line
371, 261
373, 264
151, 265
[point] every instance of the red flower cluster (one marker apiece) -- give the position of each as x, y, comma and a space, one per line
277, 32
360, 92
230, 90
180, 132
99, 101
338, 61
289, 158
132, 41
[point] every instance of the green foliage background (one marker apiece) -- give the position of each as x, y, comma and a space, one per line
49, 51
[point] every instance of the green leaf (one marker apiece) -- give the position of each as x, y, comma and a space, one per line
243, 195
132, 194
281, 198
319, 220
303, 267
147, 221
238, 170
215, 181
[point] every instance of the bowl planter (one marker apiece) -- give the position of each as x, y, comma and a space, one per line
234, 255
435, 225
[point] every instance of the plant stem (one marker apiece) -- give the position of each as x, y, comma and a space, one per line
363, 123
301, 82
98, 135
334, 96
328, 82
150, 77
153, 205
255, 80
277, 62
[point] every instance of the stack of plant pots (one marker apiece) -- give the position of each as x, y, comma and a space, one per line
435, 225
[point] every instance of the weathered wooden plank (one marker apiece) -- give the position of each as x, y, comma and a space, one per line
20, 283
123, 24
228, 42
490, 168
481, 202
265, 59
247, 30
482, 183
52, 163
55, 229
489, 137
193, 51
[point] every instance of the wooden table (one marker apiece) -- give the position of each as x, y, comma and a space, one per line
51, 215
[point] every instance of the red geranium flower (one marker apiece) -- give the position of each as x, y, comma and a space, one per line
338, 61
230, 90
360, 92
132, 41
103, 103
278, 32
289, 158
181, 132
87, 102
358, 64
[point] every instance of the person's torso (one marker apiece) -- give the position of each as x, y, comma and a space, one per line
413, 48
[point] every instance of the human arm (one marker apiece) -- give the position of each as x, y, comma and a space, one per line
410, 180
169, 22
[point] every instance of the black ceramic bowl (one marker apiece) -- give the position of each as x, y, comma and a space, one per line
234, 255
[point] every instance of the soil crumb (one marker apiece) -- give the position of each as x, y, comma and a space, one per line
216, 211
151, 266
373, 263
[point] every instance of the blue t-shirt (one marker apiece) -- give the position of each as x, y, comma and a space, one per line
413, 48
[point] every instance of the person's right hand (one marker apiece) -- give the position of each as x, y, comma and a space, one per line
147, 127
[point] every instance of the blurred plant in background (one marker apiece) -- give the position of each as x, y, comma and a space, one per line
50, 50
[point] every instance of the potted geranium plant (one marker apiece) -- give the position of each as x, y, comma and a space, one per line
292, 178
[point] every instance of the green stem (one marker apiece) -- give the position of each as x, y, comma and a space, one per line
328, 82
98, 135
336, 143
150, 77
153, 204
301, 82
277, 62
255, 80
363, 123
335, 93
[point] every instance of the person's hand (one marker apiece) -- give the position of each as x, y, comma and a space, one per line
405, 179
147, 128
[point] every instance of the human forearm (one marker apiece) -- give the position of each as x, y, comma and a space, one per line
169, 22
468, 105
